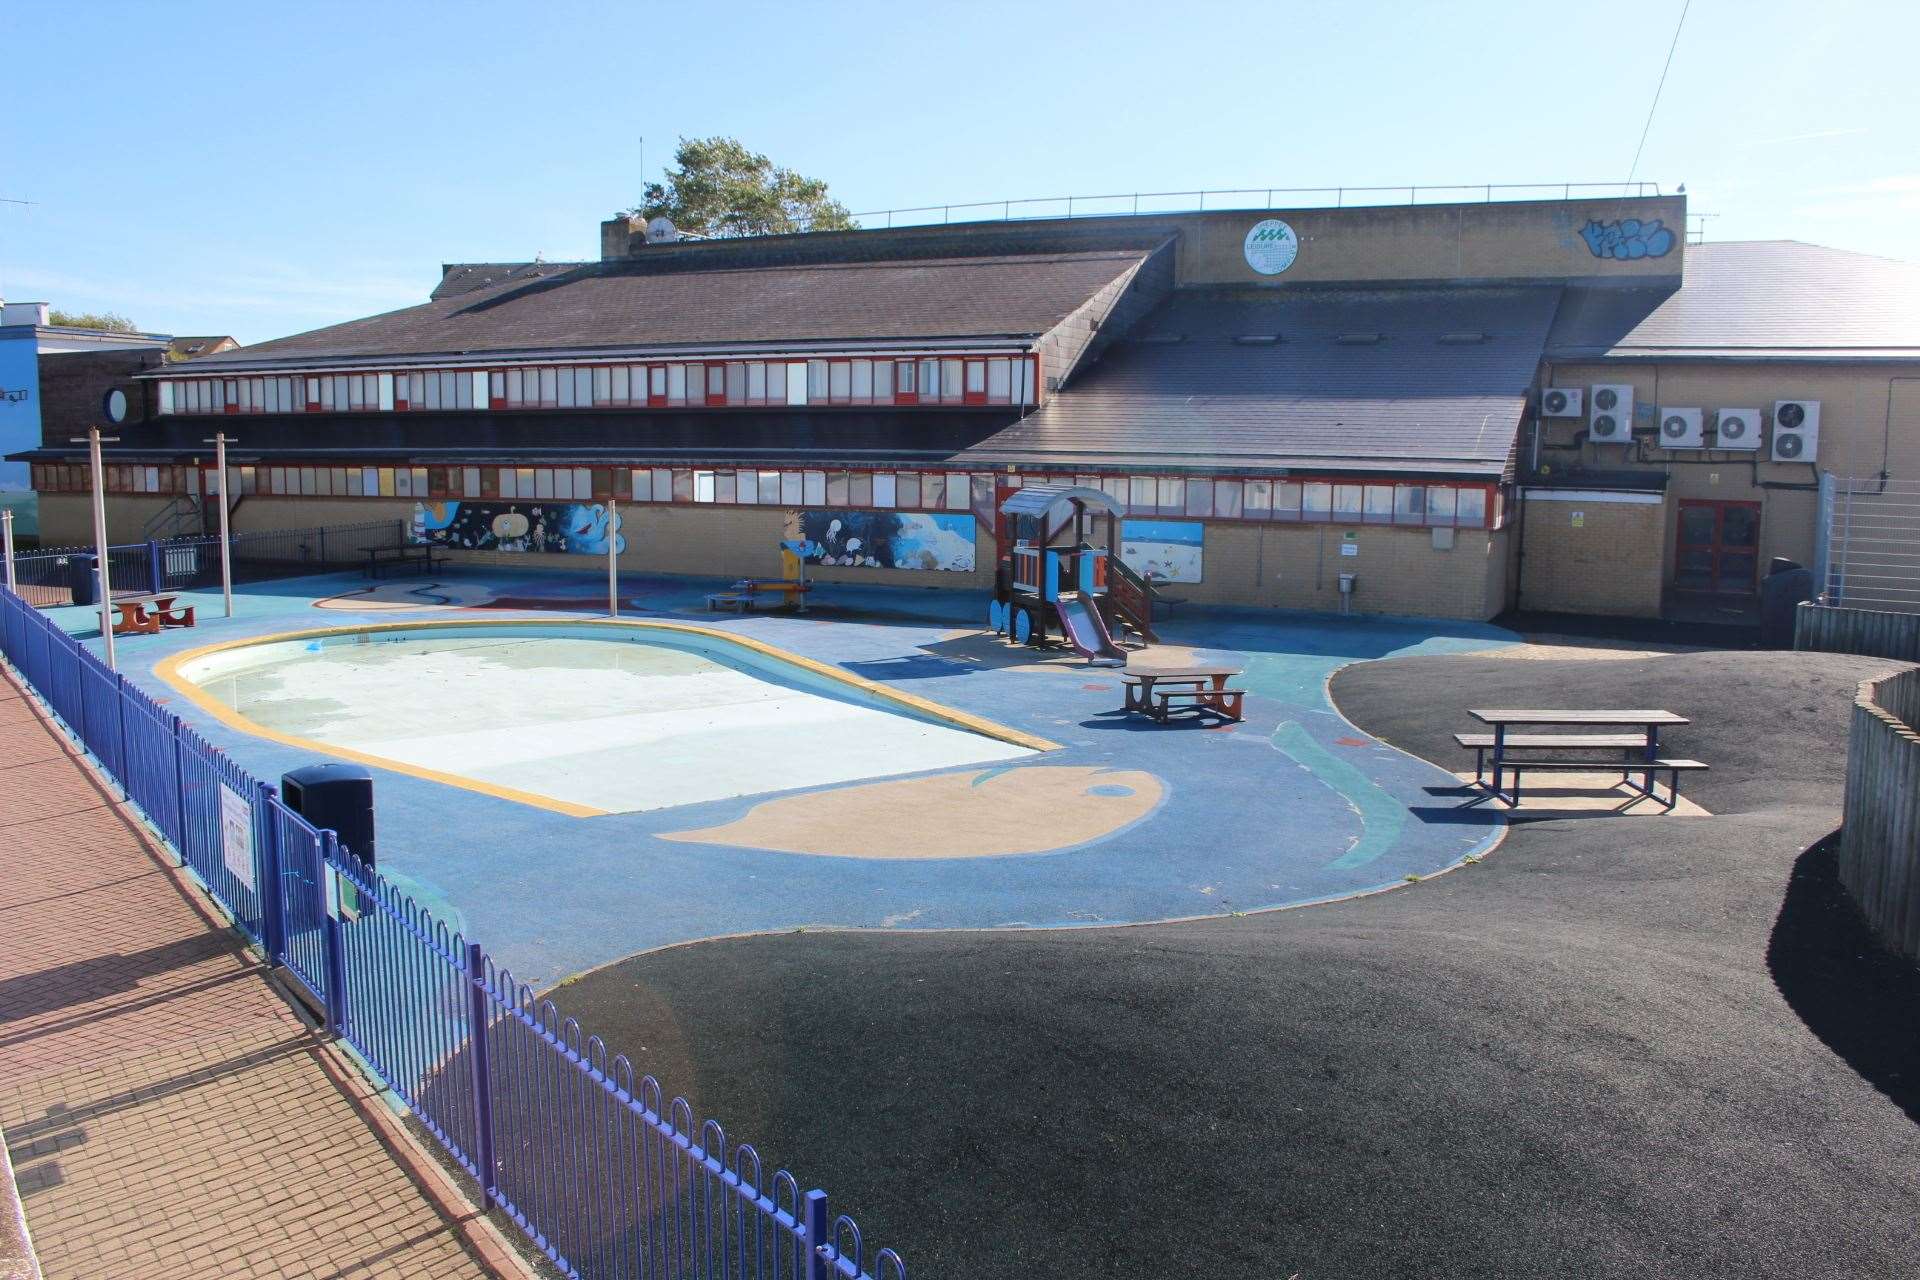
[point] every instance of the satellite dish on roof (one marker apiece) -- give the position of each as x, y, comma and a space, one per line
662, 231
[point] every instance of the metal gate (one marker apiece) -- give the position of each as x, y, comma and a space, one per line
1870, 543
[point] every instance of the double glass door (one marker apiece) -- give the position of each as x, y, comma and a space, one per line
1718, 546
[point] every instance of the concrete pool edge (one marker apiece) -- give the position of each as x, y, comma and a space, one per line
169, 671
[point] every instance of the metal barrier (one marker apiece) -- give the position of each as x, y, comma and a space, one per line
602, 1174
46, 578
1146, 203
1869, 543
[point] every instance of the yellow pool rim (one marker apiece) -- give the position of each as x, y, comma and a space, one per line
168, 670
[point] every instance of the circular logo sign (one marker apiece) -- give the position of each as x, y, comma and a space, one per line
116, 405
1271, 247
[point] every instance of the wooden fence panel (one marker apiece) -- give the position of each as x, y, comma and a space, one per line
1880, 841
1868, 631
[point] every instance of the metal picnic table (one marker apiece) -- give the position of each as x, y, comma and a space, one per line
1648, 722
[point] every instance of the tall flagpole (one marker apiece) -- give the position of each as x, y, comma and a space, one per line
613, 559
220, 443
6, 546
100, 541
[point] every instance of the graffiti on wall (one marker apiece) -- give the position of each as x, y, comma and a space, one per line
887, 540
560, 528
1166, 550
1624, 239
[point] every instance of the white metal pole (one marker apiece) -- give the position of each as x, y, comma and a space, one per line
100, 543
6, 546
226, 534
613, 559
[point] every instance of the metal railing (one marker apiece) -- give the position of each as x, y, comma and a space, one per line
47, 578
603, 1175
1141, 203
1869, 543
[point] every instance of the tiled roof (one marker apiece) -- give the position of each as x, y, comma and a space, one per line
457, 278
1758, 299
678, 303
1422, 379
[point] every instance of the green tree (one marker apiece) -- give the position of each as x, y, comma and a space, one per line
106, 320
718, 188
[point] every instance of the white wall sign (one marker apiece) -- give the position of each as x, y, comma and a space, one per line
1349, 548
1271, 247
236, 835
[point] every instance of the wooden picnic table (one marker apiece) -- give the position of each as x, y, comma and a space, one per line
1205, 687
134, 620
1648, 722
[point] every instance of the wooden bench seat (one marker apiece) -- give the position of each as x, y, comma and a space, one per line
1547, 741
1203, 701
1673, 768
1481, 743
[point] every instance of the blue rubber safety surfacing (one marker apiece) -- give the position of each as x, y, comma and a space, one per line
1292, 806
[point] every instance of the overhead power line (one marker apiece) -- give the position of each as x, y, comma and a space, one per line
1655, 106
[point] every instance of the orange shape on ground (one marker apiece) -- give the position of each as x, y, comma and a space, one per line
978, 813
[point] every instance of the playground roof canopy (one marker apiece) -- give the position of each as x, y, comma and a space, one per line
1038, 499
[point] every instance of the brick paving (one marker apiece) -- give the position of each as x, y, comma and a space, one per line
167, 1113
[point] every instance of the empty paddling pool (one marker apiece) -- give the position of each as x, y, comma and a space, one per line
585, 718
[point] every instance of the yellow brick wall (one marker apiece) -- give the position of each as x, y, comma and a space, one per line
700, 541
1297, 566
1608, 562
1284, 566
1868, 413
66, 519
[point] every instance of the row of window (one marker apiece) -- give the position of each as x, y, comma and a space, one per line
956, 380
1331, 501
1210, 498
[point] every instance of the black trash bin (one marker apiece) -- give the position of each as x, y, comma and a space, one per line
337, 796
82, 583
1781, 592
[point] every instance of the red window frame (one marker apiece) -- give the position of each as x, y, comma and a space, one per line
499, 401
709, 397
967, 394
656, 400
904, 376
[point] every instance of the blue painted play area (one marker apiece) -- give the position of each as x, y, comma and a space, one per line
882, 761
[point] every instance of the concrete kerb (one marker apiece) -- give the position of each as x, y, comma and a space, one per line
17, 1261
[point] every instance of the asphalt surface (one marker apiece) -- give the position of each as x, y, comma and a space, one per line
1646, 1048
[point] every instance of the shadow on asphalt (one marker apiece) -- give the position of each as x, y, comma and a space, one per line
1858, 997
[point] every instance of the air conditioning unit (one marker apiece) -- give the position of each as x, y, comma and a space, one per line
1682, 428
1796, 430
1737, 429
1560, 402
1611, 421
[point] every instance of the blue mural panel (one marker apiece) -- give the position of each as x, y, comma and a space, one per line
1168, 550
888, 540
561, 528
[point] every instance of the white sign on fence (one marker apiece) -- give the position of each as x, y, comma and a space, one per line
236, 835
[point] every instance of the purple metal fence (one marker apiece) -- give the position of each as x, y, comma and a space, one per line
602, 1174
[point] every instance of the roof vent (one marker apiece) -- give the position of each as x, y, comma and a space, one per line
1257, 339
1357, 339
1463, 337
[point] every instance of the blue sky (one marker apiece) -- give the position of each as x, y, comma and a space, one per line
259, 169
